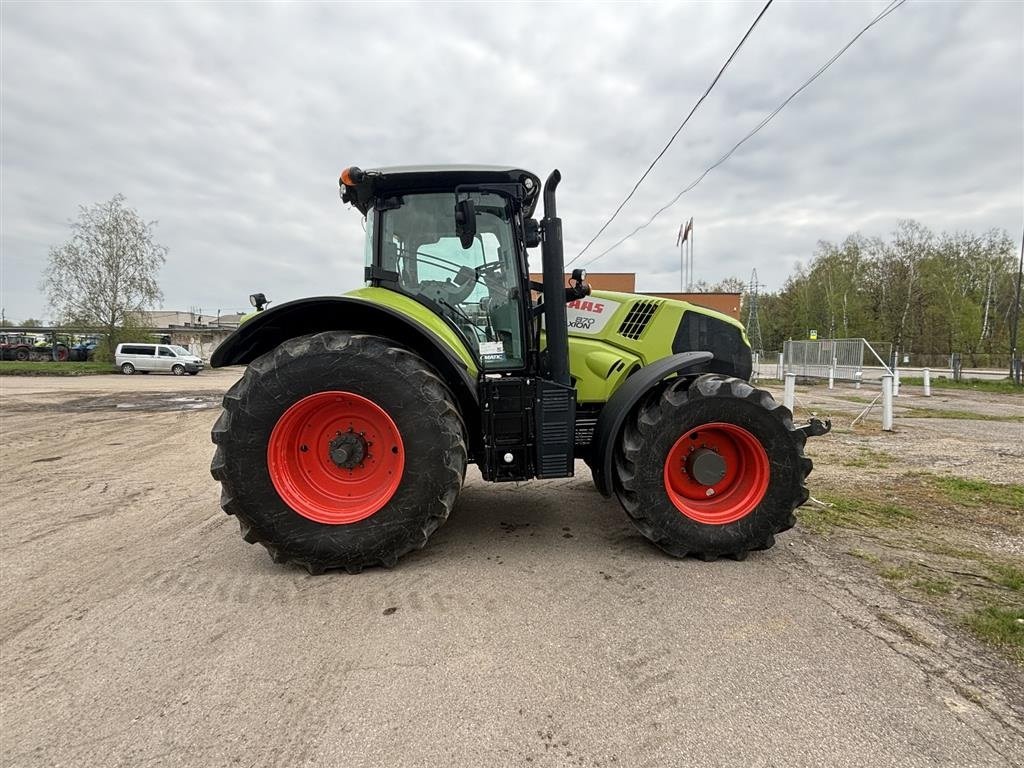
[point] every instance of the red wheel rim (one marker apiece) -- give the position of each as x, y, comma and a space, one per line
302, 457
744, 477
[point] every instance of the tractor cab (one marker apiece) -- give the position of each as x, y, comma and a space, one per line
454, 239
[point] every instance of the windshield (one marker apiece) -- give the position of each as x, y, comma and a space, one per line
475, 288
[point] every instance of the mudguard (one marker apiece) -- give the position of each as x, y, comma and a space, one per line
269, 328
613, 415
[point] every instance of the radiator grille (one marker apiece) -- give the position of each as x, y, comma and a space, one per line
637, 318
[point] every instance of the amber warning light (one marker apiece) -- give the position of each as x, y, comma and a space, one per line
351, 176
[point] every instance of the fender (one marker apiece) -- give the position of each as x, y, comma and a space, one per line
302, 317
613, 415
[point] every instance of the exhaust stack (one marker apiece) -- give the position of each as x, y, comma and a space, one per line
553, 260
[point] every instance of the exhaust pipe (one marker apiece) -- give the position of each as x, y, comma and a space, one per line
553, 260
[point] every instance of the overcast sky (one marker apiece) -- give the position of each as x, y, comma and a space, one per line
229, 123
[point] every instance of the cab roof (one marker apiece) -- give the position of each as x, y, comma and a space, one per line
409, 179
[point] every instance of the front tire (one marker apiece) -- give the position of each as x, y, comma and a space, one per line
338, 450
713, 468
178, 369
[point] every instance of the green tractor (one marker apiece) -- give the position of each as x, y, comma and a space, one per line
345, 442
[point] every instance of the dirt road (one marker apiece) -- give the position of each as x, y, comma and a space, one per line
535, 629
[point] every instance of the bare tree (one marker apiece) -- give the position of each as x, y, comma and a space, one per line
107, 272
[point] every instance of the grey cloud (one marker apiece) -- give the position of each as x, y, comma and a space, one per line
229, 123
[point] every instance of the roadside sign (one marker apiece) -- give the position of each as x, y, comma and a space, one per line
813, 335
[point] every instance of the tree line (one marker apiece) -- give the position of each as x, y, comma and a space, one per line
928, 295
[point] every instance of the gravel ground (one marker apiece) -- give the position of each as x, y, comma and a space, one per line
535, 629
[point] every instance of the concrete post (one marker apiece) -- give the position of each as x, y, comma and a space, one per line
927, 383
831, 377
782, 366
856, 379
789, 396
896, 382
887, 387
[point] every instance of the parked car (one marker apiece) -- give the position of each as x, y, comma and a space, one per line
167, 358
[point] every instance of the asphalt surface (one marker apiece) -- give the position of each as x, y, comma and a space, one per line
537, 628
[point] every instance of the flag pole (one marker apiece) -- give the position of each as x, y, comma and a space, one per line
691, 253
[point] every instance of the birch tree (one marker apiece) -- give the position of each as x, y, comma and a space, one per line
106, 273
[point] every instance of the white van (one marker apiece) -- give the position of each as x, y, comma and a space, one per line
167, 358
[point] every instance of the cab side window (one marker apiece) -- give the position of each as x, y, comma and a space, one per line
165, 352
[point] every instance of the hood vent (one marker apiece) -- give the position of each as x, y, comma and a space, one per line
637, 318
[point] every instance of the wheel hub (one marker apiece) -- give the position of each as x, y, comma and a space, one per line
717, 473
705, 466
348, 449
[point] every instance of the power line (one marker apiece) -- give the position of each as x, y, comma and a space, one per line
889, 9
680, 128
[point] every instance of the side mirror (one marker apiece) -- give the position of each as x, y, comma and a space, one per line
531, 233
465, 222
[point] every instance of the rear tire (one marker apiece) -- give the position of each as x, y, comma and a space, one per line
127, 369
278, 450
744, 435
21, 354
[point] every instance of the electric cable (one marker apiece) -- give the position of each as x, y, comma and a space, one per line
889, 9
680, 128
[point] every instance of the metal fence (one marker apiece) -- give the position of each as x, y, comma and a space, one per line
842, 359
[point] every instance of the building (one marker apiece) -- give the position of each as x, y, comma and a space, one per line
625, 282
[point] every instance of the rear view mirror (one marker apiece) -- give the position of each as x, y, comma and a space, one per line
531, 233
465, 222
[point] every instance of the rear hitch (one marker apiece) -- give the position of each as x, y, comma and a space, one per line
816, 427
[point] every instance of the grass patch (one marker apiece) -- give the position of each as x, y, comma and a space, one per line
1008, 576
933, 585
865, 556
896, 573
854, 513
855, 399
999, 386
869, 458
975, 493
50, 368
936, 413
1002, 627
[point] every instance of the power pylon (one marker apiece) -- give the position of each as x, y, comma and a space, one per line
753, 318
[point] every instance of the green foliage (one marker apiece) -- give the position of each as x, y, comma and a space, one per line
51, 368
106, 273
939, 413
128, 330
930, 295
999, 386
973, 493
846, 512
